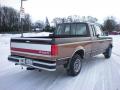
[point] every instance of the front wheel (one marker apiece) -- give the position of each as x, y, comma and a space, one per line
108, 52
74, 65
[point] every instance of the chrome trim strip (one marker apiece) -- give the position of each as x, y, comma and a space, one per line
16, 57
63, 58
54, 64
43, 68
31, 39
81, 42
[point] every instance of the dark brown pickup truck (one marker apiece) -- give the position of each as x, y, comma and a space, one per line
68, 45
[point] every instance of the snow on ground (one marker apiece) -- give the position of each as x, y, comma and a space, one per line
97, 73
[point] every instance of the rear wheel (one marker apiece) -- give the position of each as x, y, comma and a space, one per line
74, 65
108, 52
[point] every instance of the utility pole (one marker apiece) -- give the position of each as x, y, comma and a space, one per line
22, 15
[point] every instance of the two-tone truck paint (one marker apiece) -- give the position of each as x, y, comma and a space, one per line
69, 44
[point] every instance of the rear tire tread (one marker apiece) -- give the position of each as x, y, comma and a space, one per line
70, 70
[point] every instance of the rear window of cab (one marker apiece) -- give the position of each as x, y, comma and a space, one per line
73, 29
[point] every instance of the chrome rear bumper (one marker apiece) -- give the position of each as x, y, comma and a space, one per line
40, 64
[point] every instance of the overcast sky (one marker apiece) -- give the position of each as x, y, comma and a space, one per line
39, 9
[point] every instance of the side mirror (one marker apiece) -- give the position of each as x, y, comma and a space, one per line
98, 35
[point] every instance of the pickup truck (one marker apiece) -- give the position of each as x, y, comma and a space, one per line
69, 45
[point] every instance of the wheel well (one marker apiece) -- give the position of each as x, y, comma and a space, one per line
80, 52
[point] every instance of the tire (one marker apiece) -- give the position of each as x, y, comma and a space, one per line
108, 52
75, 65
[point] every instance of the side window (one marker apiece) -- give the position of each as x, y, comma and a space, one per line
98, 30
81, 29
67, 29
92, 29
73, 28
60, 30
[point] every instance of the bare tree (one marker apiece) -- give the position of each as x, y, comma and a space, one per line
10, 20
73, 18
39, 24
109, 24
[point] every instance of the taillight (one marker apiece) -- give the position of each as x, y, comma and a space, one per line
54, 50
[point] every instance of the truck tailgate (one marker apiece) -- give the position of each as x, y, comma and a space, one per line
31, 47
33, 52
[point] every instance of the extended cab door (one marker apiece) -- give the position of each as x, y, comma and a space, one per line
97, 40
101, 39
